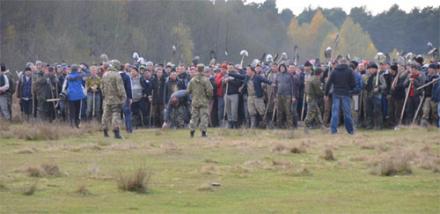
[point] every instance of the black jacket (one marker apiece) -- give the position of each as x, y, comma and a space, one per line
342, 79
233, 86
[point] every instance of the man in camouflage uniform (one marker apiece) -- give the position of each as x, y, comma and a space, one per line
112, 88
200, 89
314, 94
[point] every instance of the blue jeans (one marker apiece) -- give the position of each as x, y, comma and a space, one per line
96, 103
346, 109
220, 109
127, 117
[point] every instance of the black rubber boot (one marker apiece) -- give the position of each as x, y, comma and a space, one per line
204, 134
192, 133
106, 133
117, 134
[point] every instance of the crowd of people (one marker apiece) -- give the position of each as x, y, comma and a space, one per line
282, 94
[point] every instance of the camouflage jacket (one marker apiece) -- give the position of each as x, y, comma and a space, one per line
93, 82
112, 88
313, 88
43, 86
201, 90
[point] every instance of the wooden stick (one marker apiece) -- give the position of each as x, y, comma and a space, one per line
428, 84
303, 106
404, 104
418, 109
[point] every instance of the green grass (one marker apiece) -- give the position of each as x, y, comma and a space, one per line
179, 164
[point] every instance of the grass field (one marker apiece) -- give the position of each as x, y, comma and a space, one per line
239, 171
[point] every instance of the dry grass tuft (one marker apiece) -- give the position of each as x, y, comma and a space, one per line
257, 164
302, 172
3, 187
51, 170
33, 171
282, 164
30, 190
359, 159
367, 146
211, 161
170, 148
210, 169
83, 191
137, 182
328, 155
393, 163
298, 149
280, 148
44, 131
26, 151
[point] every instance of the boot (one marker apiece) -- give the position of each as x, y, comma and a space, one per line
204, 134
230, 124
192, 133
253, 122
117, 134
106, 133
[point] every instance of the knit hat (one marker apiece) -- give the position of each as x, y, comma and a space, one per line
307, 64
372, 65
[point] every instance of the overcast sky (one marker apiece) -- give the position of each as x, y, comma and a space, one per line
375, 6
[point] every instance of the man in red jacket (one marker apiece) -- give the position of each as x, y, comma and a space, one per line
220, 92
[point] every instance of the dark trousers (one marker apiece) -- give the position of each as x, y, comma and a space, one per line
157, 116
140, 110
411, 108
26, 107
74, 109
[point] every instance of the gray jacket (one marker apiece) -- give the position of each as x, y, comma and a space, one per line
284, 84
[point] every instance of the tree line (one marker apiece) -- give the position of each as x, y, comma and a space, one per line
80, 31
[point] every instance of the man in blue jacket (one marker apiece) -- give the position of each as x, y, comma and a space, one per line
343, 82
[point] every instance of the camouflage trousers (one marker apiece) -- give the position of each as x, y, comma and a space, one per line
313, 118
199, 117
178, 117
111, 116
327, 110
283, 111
255, 105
